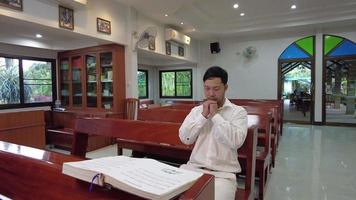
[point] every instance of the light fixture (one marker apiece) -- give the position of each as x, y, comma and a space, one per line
242, 14
166, 15
293, 7
38, 35
181, 23
235, 5
193, 29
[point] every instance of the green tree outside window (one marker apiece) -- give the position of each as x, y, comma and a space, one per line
176, 84
142, 78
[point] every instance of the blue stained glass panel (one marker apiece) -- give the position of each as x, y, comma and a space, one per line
293, 52
347, 48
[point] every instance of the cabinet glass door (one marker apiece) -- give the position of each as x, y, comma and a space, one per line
77, 81
90, 61
64, 74
106, 79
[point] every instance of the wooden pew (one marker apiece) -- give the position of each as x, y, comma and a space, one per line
60, 128
261, 110
261, 118
23, 127
278, 104
29, 173
158, 138
162, 115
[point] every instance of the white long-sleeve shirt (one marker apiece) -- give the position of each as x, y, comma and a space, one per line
216, 139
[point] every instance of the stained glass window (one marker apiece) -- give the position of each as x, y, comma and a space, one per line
300, 49
335, 46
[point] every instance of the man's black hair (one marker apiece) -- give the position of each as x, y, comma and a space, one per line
216, 72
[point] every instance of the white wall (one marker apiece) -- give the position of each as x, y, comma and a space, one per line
257, 78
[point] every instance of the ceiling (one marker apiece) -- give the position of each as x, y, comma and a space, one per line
23, 33
203, 19
218, 18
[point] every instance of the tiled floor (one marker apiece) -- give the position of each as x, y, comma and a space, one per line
313, 163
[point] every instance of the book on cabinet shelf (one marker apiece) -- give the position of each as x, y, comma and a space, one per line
143, 177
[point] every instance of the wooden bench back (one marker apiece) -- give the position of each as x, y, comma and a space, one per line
158, 138
141, 131
163, 115
184, 102
278, 104
265, 109
43, 169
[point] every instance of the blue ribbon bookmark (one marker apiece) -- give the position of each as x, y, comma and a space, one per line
97, 176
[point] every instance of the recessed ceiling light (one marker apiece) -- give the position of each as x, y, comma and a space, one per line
242, 14
166, 15
235, 5
38, 35
182, 23
293, 7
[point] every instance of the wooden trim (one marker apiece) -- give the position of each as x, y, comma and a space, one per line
318, 123
323, 72
21, 127
340, 124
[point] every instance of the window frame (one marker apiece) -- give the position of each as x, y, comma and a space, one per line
146, 73
175, 83
22, 103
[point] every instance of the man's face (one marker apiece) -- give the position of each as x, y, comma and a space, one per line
214, 89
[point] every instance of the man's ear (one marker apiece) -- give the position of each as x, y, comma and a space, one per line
226, 86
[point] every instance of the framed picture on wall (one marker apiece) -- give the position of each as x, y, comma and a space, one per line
13, 4
66, 18
180, 51
103, 26
168, 48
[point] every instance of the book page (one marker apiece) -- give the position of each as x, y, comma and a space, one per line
143, 174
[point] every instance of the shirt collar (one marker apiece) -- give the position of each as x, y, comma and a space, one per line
227, 104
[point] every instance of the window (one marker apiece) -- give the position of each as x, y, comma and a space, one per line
176, 83
26, 82
142, 79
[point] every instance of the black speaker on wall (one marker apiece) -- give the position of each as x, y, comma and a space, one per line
214, 47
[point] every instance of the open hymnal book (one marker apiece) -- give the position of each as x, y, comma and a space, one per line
143, 177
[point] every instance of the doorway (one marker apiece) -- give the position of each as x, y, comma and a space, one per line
339, 78
296, 81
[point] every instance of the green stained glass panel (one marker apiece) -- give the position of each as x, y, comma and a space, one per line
330, 42
307, 44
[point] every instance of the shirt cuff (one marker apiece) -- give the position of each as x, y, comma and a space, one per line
201, 119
